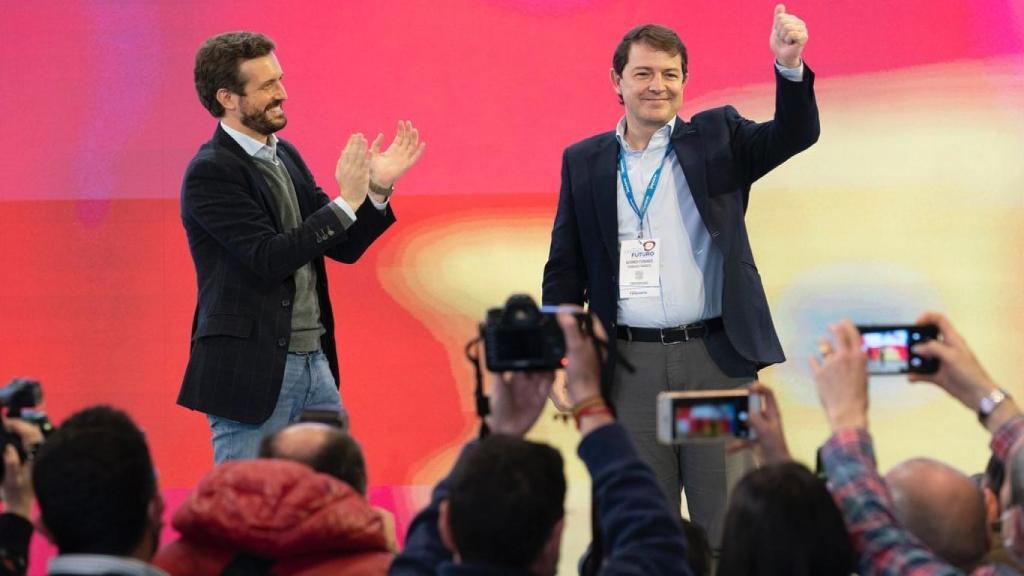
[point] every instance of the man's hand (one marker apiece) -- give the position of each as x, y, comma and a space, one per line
388, 166
960, 374
583, 366
353, 171
516, 399
770, 444
17, 486
583, 369
842, 378
789, 36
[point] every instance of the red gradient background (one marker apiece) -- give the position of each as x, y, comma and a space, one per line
101, 118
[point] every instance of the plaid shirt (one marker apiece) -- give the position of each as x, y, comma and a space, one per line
886, 548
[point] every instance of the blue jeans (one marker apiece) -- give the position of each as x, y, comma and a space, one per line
307, 383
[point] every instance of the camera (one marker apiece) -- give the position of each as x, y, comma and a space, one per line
889, 349
707, 415
522, 336
20, 396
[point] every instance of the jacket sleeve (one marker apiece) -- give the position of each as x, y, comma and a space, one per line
228, 209
15, 536
641, 534
565, 276
424, 552
369, 225
760, 147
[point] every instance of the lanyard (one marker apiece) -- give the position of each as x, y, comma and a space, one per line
627, 187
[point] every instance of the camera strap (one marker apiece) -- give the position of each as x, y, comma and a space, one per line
483, 405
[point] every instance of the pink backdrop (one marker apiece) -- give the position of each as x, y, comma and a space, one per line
100, 118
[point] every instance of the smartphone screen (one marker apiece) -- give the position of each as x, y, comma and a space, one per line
889, 349
707, 416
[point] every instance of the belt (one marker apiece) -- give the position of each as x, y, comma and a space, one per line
670, 335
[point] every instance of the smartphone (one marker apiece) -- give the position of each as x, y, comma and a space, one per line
707, 415
889, 348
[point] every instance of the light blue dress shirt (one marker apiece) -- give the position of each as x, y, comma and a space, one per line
691, 264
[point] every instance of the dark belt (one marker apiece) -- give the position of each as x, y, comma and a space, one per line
670, 335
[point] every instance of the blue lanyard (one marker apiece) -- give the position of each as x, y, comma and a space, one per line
627, 187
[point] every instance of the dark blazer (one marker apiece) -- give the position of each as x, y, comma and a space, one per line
245, 262
721, 154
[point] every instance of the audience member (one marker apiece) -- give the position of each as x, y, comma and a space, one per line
299, 510
884, 544
781, 519
98, 495
17, 495
925, 494
639, 533
326, 449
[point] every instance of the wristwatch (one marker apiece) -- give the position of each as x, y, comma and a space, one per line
990, 402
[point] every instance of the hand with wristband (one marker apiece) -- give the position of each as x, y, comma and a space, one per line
583, 372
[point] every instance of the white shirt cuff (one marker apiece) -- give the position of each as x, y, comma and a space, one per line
380, 206
791, 74
345, 208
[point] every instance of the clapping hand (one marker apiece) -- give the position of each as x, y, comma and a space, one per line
353, 171
388, 166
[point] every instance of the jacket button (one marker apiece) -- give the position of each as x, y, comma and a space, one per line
286, 303
282, 342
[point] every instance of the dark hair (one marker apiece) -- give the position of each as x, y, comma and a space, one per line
506, 497
94, 480
218, 61
782, 521
339, 455
658, 37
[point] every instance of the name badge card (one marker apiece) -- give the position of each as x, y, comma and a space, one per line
640, 268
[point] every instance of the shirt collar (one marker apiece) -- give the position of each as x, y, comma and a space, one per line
659, 140
101, 564
252, 146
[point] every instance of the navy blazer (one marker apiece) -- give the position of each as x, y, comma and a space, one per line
245, 263
721, 154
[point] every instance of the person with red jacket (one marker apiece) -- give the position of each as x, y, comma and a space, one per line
271, 514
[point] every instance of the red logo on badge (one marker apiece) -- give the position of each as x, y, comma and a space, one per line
648, 245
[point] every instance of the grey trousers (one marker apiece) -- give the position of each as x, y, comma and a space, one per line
704, 471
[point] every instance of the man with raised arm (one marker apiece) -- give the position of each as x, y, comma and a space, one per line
650, 232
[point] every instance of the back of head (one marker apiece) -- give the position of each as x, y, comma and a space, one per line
217, 65
942, 508
506, 498
324, 448
782, 521
94, 481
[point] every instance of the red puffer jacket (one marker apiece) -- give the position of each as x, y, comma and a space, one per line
307, 523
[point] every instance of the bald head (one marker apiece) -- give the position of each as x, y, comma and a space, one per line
324, 448
942, 508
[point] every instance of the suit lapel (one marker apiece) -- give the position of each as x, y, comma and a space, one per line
224, 140
604, 167
690, 152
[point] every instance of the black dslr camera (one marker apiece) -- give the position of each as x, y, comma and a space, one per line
20, 396
522, 336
